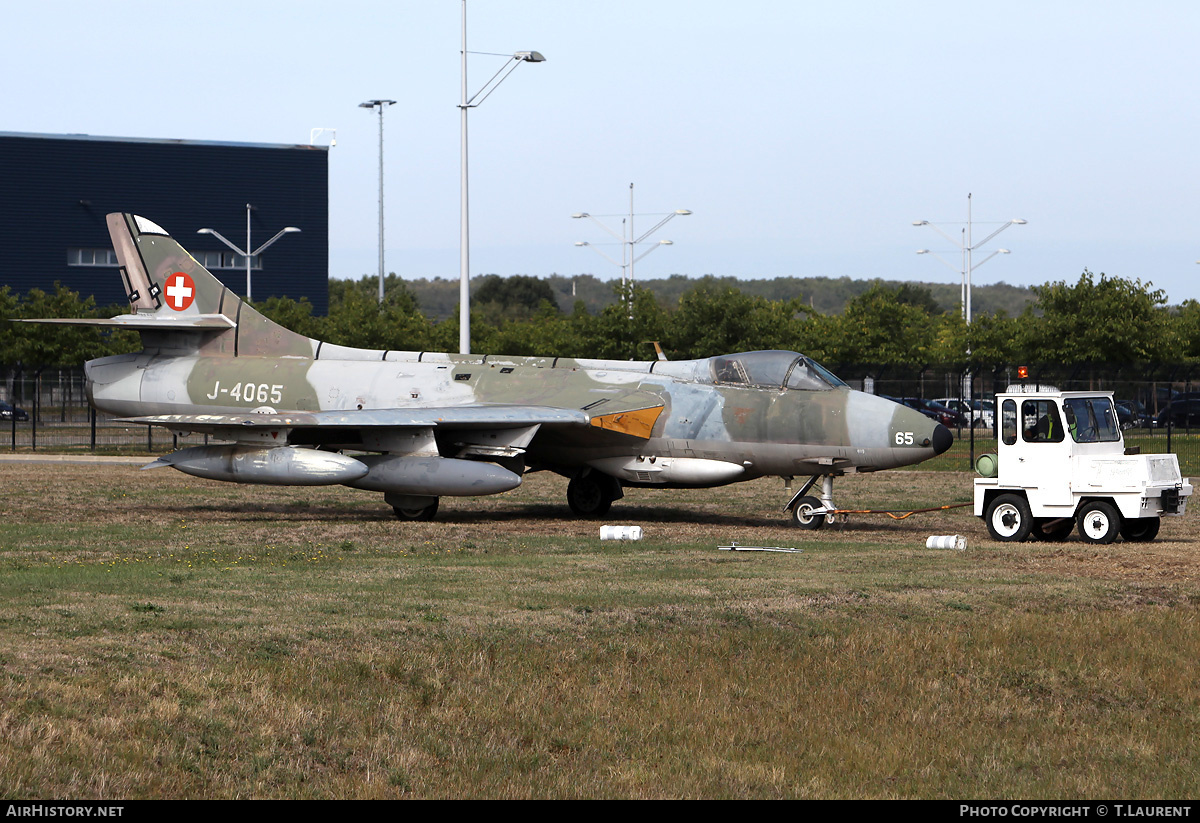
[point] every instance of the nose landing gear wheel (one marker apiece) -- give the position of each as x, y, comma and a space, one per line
802, 513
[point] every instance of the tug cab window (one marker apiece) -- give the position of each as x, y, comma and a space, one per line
1008, 422
1040, 422
1091, 420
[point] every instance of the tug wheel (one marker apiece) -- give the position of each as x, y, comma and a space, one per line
1099, 522
1141, 530
1052, 529
1008, 518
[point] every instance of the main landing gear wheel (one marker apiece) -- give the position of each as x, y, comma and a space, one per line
1008, 518
590, 495
803, 516
1141, 530
414, 513
1099, 522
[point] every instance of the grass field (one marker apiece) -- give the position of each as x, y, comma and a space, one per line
168, 637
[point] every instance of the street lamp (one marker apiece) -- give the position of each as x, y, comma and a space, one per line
464, 274
628, 240
248, 254
967, 248
370, 104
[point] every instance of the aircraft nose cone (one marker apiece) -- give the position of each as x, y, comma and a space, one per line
942, 439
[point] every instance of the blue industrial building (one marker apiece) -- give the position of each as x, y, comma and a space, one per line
58, 188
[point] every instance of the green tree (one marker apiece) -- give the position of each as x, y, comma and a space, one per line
9, 307
549, 333
919, 296
519, 297
623, 330
293, 315
36, 344
357, 319
1185, 325
719, 319
877, 328
1109, 320
989, 340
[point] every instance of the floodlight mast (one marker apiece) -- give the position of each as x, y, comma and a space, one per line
628, 240
467, 103
380, 104
249, 255
967, 248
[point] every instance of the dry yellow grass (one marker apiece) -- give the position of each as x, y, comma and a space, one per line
162, 636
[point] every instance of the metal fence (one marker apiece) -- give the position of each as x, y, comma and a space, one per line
61, 420
51, 413
1155, 392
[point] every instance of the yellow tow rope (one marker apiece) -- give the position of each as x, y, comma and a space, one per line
897, 514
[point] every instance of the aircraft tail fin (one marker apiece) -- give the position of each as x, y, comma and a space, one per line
159, 275
170, 291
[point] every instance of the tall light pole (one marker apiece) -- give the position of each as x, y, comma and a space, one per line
967, 248
464, 274
628, 239
380, 104
247, 252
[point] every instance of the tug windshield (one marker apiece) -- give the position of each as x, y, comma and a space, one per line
1091, 420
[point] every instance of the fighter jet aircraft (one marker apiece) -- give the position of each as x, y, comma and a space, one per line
418, 426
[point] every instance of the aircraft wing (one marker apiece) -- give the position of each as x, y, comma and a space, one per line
630, 412
478, 416
488, 431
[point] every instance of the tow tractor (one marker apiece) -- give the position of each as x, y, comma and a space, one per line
1061, 461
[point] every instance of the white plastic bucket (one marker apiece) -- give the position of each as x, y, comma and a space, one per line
946, 541
620, 532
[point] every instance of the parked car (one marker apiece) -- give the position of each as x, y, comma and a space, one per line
936, 411
983, 412
1133, 415
10, 412
1180, 413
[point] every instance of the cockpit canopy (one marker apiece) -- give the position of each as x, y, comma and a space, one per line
773, 370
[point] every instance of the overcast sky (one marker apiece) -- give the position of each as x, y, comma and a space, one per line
806, 137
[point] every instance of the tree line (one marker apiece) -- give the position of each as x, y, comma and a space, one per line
1096, 319
438, 297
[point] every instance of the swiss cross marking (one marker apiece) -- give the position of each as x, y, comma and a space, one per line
181, 291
